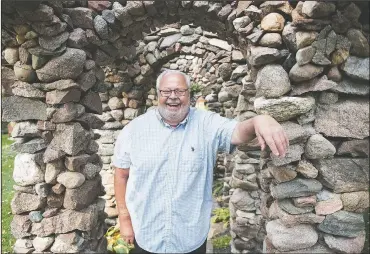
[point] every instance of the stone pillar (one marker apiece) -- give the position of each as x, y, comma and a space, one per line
56, 170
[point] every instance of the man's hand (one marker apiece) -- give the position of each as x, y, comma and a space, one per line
126, 230
270, 132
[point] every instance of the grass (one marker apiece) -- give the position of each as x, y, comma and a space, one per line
221, 242
7, 159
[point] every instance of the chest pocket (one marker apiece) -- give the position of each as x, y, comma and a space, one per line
192, 157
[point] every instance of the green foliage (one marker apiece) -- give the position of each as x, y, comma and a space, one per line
217, 188
195, 88
221, 215
115, 243
221, 242
7, 161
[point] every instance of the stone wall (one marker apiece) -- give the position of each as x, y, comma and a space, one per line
304, 63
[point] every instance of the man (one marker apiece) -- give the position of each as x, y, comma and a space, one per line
164, 163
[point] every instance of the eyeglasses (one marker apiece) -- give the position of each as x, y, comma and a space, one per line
178, 92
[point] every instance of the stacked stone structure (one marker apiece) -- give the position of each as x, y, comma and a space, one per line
76, 72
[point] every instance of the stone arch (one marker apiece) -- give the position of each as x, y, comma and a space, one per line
57, 47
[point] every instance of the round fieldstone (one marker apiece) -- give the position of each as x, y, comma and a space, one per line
272, 40
305, 72
11, 55
71, 180
318, 147
115, 103
24, 72
273, 22
272, 74
35, 216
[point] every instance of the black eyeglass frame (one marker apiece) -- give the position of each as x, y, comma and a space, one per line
178, 92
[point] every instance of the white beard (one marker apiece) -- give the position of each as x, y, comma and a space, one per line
174, 116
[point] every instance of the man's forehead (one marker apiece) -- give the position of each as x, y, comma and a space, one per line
173, 79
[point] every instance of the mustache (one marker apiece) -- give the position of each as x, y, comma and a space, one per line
173, 101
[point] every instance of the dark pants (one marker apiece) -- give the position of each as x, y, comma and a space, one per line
201, 249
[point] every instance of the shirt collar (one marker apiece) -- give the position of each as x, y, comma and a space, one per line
183, 122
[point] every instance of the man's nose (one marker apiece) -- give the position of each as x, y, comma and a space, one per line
173, 95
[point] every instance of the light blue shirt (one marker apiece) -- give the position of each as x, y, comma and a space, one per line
169, 190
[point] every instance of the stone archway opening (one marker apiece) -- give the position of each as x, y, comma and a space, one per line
55, 50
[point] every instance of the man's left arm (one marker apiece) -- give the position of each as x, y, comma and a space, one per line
268, 131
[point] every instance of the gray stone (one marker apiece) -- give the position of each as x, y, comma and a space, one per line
241, 22
225, 71
82, 196
282, 174
42, 243
67, 66
305, 38
28, 169
242, 200
350, 86
345, 244
169, 41
32, 146
343, 223
357, 68
263, 55
306, 218
35, 216
90, 171
135, 8
289, 37
101, 27
307, 169
239, 71
220, 44
70, 138
354, 148
130, 113
90, 120
65, 96
68, 243
318, 147
272, 74
288, 206
25, 202
347, 118
272, 40
71, 179
24, 72
52, 43
328, 98
49, 28
320, 59
86, 80
343, 175
359, 43
77, 38
11, 55
313, 85
296, 188
115, 103
39, 14
25, 129
186, 30
108, 15
305, 72
81, 17
62, 84
23, 246
67, 112
293, 153
248, 185
255, 36
189, 39
282, 237
121, 13
74, 163
305, 55
7, 80
316, 9
20, 226
284, 108
52, 171
24, 89
92, 102
295, 132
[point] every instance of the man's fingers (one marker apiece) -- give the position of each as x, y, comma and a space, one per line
280, 143
261, 141
271, 143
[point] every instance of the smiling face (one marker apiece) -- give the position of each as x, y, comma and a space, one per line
173, 108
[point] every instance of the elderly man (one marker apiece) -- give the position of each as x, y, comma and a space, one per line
164, 162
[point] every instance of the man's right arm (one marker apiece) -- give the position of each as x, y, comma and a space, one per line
121, 176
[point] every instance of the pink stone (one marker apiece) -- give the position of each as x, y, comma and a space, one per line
305, 201
99, 6
328, 206
345, 244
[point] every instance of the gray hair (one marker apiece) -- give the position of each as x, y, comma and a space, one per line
167, 72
